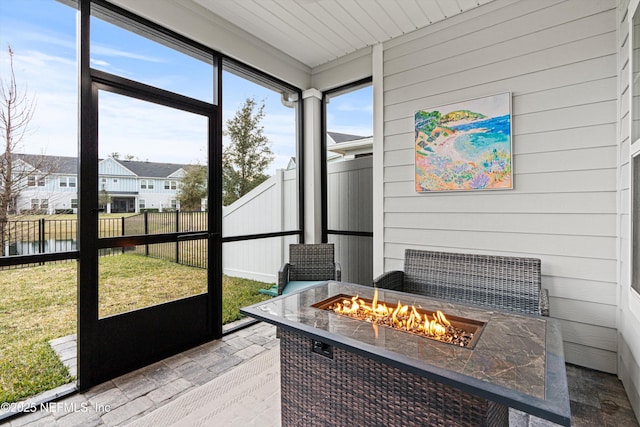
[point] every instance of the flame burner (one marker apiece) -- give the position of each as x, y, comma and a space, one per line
429, 324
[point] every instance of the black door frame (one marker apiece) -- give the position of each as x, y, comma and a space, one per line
89, 326
111, 346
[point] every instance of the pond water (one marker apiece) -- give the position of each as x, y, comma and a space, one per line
50, 245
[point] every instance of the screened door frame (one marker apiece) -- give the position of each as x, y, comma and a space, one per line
111, 346
90, 81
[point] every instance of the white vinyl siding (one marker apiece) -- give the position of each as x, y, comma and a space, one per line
629, 302
559, 63
111, 167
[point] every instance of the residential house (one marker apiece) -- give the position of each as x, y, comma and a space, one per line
129, 185
343, 146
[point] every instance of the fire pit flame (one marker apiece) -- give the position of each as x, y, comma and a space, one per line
403, 317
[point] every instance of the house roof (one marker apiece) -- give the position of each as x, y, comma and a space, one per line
69, 165
349, 145
151, 169
50, 164
345, 137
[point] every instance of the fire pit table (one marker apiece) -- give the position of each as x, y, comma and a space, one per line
339, 370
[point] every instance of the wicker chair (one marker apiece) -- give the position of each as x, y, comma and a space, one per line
501, 282
309, 264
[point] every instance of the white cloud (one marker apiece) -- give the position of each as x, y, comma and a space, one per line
100, 63
31, 61
98, 50
150, 132
51, 81
349, 107
352, 130
351, 127
41, 37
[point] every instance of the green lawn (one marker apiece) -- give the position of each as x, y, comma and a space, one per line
39, 304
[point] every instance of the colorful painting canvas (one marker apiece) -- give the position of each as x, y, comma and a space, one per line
464, 146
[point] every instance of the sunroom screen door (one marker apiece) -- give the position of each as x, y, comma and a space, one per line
147, 289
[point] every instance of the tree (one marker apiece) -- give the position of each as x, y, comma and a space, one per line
104, 198
246, 158
16, 112
193, 188
116, 155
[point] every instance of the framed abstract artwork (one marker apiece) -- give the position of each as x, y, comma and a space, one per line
464, 146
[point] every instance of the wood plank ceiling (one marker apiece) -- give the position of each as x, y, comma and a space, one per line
318, 31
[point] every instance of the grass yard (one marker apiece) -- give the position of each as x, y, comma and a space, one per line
38, 304
34, 309
131, 281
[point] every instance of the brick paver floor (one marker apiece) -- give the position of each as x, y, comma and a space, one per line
134, 395
184, 387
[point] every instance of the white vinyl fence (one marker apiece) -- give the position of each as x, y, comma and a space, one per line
273, 207
349, 208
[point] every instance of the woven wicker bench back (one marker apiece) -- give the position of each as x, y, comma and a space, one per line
311, 262
506, 283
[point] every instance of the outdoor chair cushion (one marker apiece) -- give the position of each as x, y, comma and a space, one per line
272, 291
291, 286
297, 285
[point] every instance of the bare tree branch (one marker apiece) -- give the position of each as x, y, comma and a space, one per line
16, 112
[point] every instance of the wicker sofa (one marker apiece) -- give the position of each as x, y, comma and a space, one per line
500, 282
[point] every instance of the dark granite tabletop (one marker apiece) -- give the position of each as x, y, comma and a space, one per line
517, 361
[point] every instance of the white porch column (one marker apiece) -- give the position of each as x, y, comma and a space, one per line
312, 172
378, 159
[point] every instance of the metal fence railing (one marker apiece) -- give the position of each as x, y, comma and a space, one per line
187, 252
27, 237
43, 235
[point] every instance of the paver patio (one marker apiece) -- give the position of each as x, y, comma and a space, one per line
235, 381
